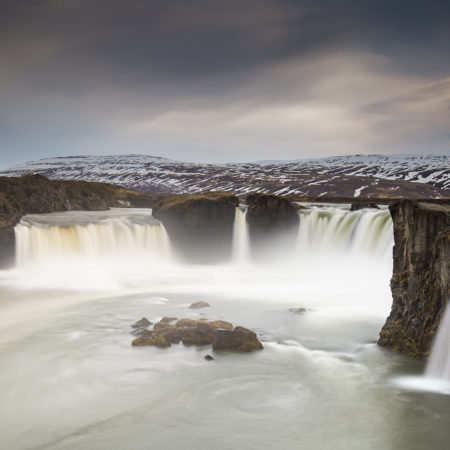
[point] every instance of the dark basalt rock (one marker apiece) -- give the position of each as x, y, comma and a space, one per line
240, 339
357, 206
200, 227
421, 276
271, 219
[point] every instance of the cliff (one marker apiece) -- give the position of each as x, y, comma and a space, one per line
200, 227
36, 194
420, 280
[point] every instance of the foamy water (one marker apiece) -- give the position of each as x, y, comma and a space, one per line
70, 378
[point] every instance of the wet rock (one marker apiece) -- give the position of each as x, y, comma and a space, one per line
221, 324
198, 305
209, 358
198, 332
240, 339
297, 310
271, 219
200, 227
420, 282
360, 205
201, 334
167, 320
142, 323
142, 332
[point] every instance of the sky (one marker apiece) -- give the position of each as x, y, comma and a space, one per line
222, 81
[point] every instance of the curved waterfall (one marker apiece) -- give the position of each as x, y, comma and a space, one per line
89, 235
133, 232
331, 229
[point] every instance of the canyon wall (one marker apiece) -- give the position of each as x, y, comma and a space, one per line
420, 279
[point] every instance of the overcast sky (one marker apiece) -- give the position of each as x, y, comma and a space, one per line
215, 81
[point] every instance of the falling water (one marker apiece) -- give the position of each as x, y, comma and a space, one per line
320, 382
325, 230
241, 244
113, 234
439, 364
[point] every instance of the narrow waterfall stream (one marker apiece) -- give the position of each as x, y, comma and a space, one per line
70, 379
438, 366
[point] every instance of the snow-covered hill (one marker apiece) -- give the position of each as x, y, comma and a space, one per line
420, 176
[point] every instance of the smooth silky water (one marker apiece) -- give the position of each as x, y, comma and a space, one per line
69, 378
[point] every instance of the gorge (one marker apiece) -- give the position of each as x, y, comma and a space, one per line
317, 297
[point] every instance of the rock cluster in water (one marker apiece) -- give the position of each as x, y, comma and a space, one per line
218, 333
421, 277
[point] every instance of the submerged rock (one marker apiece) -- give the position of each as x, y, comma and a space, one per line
198, 305
297, 310
240, 339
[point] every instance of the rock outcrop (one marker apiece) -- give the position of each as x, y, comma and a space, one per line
271, 220
222, 335
35, 194
421, 276
200, 227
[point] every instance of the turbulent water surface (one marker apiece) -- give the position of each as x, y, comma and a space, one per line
69, 378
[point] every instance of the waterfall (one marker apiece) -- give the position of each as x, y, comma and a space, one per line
323, 231
438, 366
326, 231
337, 230
89, 235
241, 245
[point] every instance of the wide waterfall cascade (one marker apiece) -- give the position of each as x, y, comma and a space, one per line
438, 366
328, 231
325, 230
90, 235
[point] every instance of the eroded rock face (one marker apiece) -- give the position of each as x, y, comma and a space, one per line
35, 194
421, 276
200, 227
271, 220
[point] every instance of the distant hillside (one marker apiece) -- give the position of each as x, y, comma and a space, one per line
411, 176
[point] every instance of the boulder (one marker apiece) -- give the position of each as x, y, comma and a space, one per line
421, 277
200, 227
142, 323
240, 339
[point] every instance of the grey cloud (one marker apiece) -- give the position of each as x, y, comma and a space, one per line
199, 79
